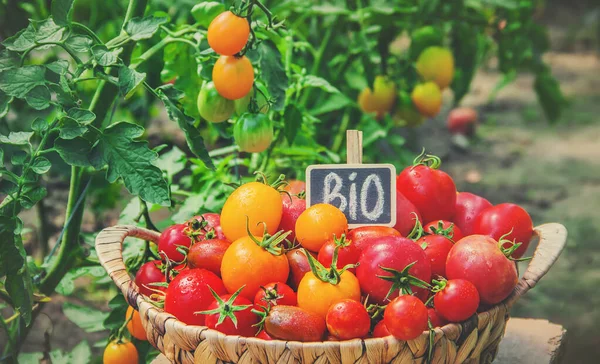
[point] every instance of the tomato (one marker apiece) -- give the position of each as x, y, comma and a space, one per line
468, 208
263, 335
462, 120
435, 319
212, 106
294, 324
318, 224
431, 190
479, 259
406, 214
209, 222
208, 254
436, 249
505, 218
321, 287
149, 273
120, 352
457, 300
347, 253
252, 262
293, 207
248, 206
295, 187
253, 133
379, 101
424, 37
178, 235
299, 266
364, 236
348, 319
233, 76
436, 64
241, 105
189, 292
228, 33
134, 326
405, 317
444, 227
392, 252
274, 294
231, 314
427, 98
380, 330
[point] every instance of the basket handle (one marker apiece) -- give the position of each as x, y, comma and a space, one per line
553, 237
109, 246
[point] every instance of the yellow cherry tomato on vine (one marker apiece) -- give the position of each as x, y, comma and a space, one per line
134, 326
427, 98
228, 33
436, 64
120, 352
233, 76
319, 224
381, 99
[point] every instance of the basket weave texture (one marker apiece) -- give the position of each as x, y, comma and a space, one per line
473, 341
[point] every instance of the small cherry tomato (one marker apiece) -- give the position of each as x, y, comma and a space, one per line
253, 133
347, 253
274, 294
457, 300
120, 352
293, 207
228, 33
436, 248
427, 98
208, 254
231, 314
381, 99
406, 317
294, 324
444, 227
318, 224
462, 120
212, 106
436, 64
380, 330
233, 76
407, 214
348, 319
468, 208
150, 272
174, 236
295, 187
298, 266
263, 335
209, 221
364, 236
134, 326
435, 319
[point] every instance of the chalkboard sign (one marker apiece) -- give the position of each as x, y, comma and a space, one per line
366, 193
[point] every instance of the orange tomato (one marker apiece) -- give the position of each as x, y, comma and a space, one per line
316, 296
251, 204
228, 33
427, 98
318, 224
120, 352
134, 326
381, 99
436, 64
233, 76
253, 262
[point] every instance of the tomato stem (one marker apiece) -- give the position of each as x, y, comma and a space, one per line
417, 232
428, 160
226, 309
439, 230
331, 275
403, 280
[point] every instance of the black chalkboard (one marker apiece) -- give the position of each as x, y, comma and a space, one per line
366, 193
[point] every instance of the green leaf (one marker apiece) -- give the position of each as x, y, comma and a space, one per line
19, 81
104, 57
47, 31
129, 81
59, 67
82, 116
332, 103
41, 165
293, 121
79, 354
5, 100
192, 135
11, 259
206, 11
39, 125
64, 95
39, 97
80, 43
8, 59
1, 157
172, 161
17, 138
74, 152
19, 287
67, 286
85, 317
273, 73
465, 48
61, 10
118, 309
130, 160
143, 28
318, 82
507, 4
18, 158
21, 41
71, 129
30, 358
549, 95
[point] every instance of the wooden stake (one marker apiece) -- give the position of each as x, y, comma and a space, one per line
354, 147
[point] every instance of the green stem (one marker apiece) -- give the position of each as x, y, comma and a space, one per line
59, 44
87, 31
43, 222
158, 47
339, 137
223, 151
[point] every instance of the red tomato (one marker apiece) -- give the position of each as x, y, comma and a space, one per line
499, 220
263, 335
348, 319
189, 293
274, 294
347, 253
298, 266
212, 222
396, 253
436, 249
235, 314
435, 319
406, 317
468, 208
462, 120
174, 236
208, 254
442, 226
431, 191
294, 324
381, 330
405, 214
292, 209
457, 300
295, 187
478, 259
364, 236
149, 273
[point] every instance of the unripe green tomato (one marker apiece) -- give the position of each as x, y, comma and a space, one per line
212, 106
253, 132
241, 105
406, 114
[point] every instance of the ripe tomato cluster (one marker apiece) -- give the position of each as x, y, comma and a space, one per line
269, 267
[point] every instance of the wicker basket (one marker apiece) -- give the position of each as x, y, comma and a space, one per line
473, 341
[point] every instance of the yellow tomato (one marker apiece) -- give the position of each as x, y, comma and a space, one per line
427, 98
381, 99
319, 224
120, 352
316, 296
436, 64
